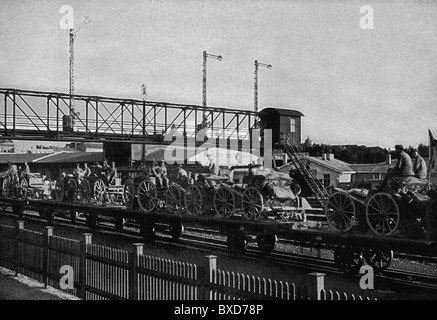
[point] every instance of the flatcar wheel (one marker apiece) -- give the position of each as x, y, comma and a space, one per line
237, 242
193, 200
91, 222
48, 214
84, 192
266, 243
340, 211
147, 196
73, 216
147, 229
99, 191
379, 260
119, 223
59, 191
224, 202
348, 260
173, 199
252, 204
24, 186
17, 209
176, 229
129, 194
382, 214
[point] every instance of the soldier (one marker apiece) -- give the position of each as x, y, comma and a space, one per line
419, 165
78, 172
182, 176
404, 166
111, 173
86, 170
160, 173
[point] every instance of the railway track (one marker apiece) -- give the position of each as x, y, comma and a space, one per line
390, 278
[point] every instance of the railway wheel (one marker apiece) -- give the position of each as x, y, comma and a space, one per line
173, 199
129, 194
84, 192
237, 242
24, 189
147, 230
99, 191
266, 243
252, 203
349, 260
147, 196
91, 222
176, 228
73, 216
47, 214
59, 191
382, 214
340, 211
379, 260
193, 200
119, 223
224, 202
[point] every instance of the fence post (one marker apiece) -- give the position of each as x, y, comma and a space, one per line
87, 239
48, 232
316, 285
206, 270
18, 235
137, 249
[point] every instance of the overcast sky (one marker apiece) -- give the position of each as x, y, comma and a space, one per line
372, 87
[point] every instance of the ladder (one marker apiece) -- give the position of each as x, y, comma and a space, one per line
298, 159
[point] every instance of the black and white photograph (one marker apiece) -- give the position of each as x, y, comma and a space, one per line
218, 154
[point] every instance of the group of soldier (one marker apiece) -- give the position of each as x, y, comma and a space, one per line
97, 171
414, 166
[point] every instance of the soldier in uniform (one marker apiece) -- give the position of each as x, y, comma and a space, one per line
419, 165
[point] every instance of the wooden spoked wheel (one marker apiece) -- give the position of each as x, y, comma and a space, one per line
147, 196
72, 190
379, 260
224, 202
173, 199
382, 214
193, 200
253, 204
24, 186
340, 211
348, 259
129, 194
59, 191
84, 192
5, 187
99, 191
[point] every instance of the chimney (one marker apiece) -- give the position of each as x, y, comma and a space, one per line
389, 159
323, 156
330, 156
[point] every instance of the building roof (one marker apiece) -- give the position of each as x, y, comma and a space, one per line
333, 164
55, 157
372, 167
282, 112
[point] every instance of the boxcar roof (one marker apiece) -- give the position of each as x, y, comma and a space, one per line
282, 112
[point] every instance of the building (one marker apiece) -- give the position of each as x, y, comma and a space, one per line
7, 146
331, 172
370, 175
50, 164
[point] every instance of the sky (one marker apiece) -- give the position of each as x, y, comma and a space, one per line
373, 86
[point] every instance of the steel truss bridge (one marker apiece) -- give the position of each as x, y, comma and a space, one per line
38, 115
